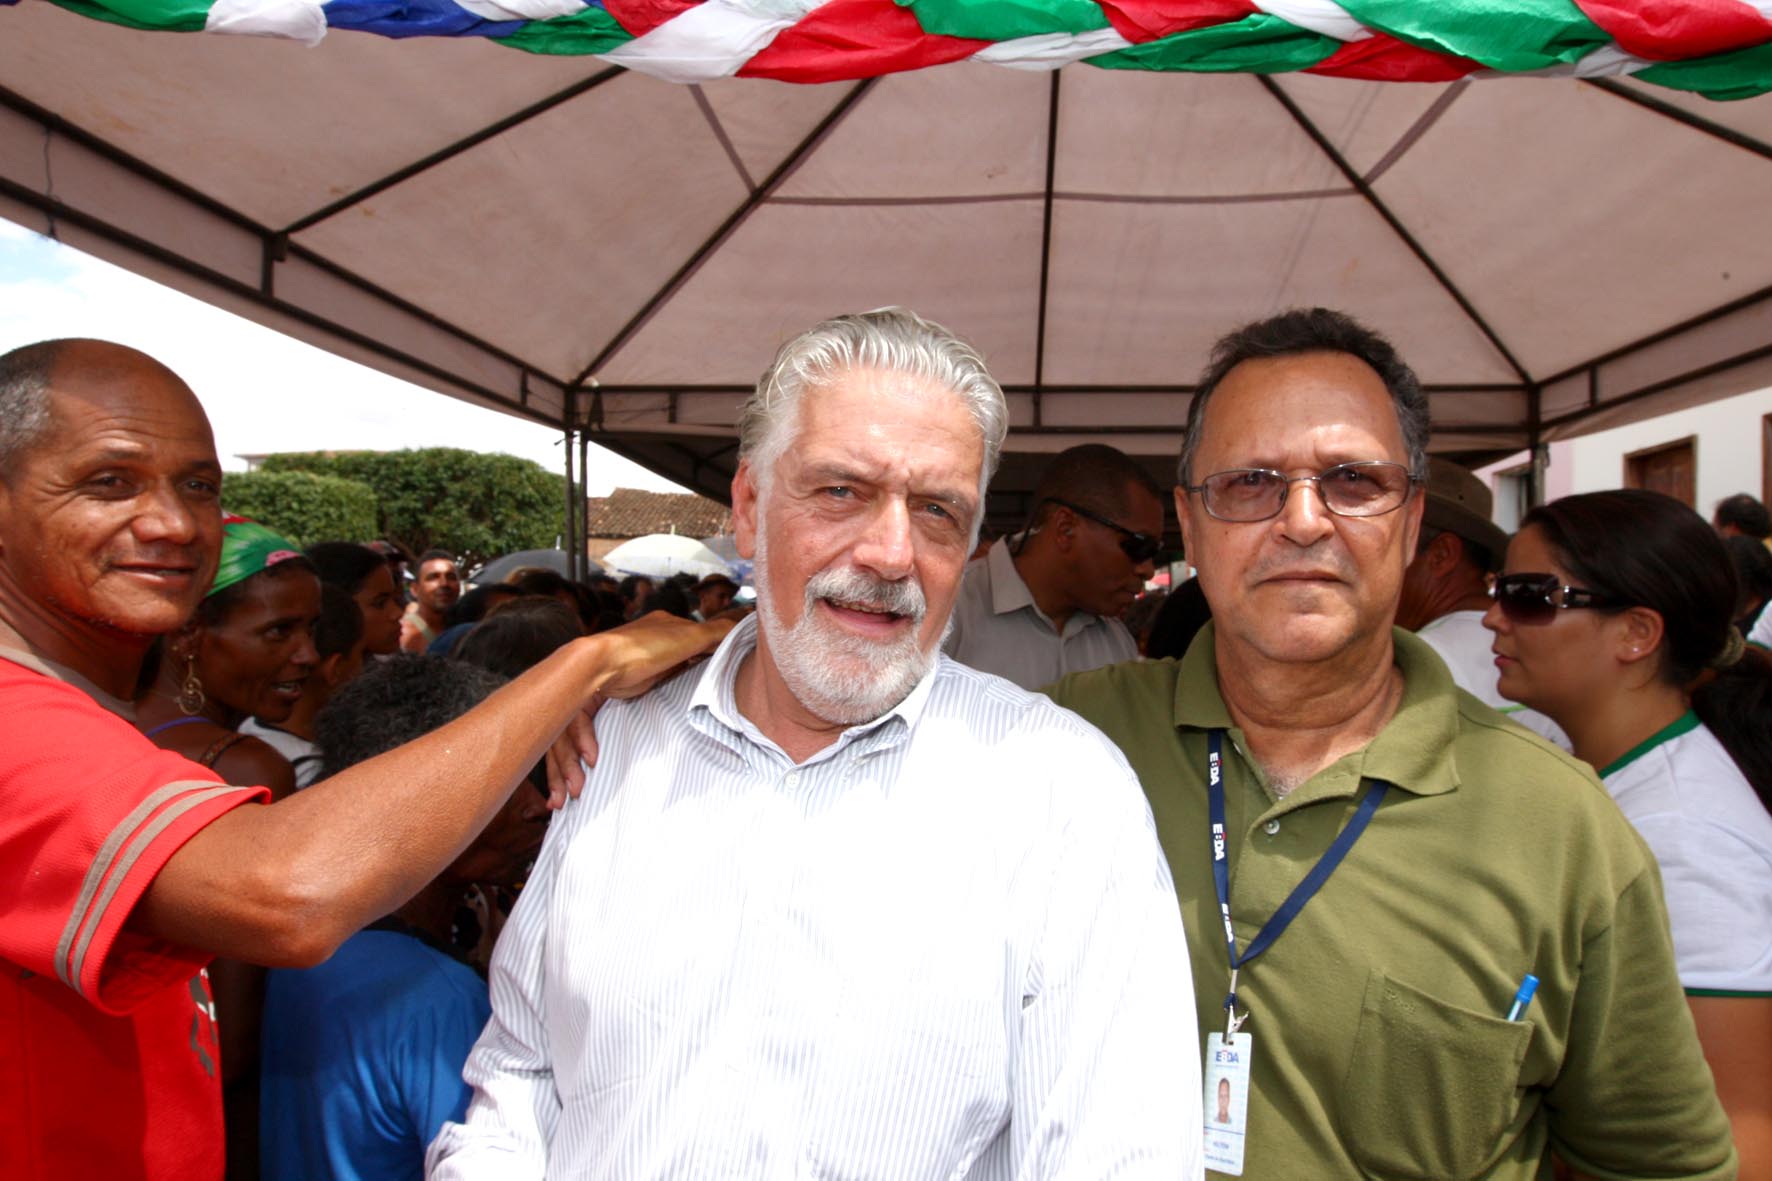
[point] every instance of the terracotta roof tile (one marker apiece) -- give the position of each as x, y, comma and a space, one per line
633, 512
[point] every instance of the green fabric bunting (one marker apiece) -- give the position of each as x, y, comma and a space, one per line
1741, 73
1504, 36
589, 30
1005, 20
1507, 35
1259, 44
174, 16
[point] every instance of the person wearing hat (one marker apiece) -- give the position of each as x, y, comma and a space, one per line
713, 595
1446, 588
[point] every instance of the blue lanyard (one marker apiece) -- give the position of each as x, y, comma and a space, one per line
1301, 894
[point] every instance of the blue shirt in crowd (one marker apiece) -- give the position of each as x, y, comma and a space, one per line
362, 1059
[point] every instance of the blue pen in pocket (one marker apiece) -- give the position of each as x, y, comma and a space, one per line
1523, 997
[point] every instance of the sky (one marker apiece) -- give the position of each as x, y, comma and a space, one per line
263, 391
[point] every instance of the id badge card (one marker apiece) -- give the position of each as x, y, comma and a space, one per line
1227, 1101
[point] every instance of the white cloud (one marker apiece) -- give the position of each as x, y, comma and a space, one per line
263, 391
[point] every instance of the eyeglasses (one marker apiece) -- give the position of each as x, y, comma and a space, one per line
1369, 488
1139, 548
1536, 598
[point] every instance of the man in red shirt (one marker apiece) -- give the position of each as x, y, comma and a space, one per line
124, 868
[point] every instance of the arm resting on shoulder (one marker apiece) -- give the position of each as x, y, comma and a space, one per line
286, 883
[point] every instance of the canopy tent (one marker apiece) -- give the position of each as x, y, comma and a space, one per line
591, 246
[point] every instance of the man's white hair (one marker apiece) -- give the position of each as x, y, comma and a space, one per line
892, 340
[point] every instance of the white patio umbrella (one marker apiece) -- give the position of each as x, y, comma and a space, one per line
726, 547
660, 555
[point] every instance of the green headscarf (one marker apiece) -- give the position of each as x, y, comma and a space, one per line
247, 548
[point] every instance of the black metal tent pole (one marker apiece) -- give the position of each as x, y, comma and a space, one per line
448, 152
1046, 247
788, 166
567, 541
273, 246
1678, 114
582, 554
1363, 185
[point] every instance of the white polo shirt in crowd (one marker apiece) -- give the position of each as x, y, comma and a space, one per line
1465, 645
1761, 632
998, 628
1713, 839
947, 946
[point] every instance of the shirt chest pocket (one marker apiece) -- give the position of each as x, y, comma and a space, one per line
1432, 1088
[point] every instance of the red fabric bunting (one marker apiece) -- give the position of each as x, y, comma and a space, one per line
1140, 21
855, 39
1676, 30
1383, 58
643, 16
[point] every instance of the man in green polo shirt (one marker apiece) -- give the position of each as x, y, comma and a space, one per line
1380, 1014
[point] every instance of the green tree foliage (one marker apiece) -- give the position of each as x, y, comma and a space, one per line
303, 506
474, 505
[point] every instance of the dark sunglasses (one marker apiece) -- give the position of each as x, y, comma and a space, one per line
1139, 548
1536, 598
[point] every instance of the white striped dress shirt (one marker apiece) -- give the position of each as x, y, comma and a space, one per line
946, 946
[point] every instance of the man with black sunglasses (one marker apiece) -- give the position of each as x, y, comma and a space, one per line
1425, 944
1048, 601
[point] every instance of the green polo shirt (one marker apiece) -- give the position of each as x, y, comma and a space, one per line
1381, 1047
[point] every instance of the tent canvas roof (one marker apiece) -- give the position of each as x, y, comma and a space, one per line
576, 242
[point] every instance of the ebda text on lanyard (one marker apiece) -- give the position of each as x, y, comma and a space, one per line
1301, 894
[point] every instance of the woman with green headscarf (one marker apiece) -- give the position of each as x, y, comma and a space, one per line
247, 652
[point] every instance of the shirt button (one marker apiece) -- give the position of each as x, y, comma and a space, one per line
793, 779
1271, 827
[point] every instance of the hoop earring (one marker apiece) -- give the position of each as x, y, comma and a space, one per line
191, 698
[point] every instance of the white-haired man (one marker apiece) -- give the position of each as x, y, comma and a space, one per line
841, 907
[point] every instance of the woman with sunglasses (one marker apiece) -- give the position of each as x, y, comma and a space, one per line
1614, 616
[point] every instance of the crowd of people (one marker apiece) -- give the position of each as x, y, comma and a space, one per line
1388, 845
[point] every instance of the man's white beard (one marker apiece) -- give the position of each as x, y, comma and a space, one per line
843, 678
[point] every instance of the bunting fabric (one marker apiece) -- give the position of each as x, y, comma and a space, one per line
1718, 48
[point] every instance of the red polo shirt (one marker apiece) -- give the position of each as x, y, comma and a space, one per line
111, 1063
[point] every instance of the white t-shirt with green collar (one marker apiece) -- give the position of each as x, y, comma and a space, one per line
1713, 839
1465, 645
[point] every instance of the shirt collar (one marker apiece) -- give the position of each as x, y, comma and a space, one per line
1009, 591
1413, 751
1684, 724
26, 657
715, 701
